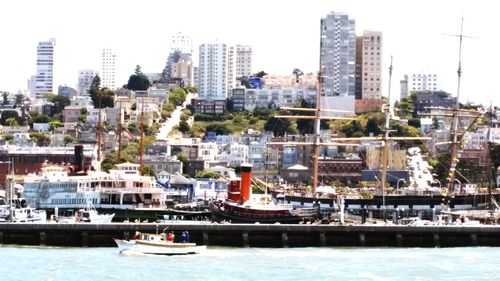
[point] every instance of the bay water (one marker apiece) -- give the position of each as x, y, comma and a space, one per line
19, 263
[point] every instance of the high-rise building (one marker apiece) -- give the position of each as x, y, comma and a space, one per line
338, 54
181, 42
417, 83
85, 78
243, 61
216, 71
44, 68
423, 82
368, 65
108, 69
183, 72
176, 57
403, 85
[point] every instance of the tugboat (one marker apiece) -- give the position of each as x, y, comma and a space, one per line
238, 208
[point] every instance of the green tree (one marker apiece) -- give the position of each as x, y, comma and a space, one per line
33, 114
101, 97
43, 140
305, 126
184, 127
207, 174
55, 124
148, 171
278, 126
132, 127
19, 99
218, 129
183, 158
9, 137
190, 89
11, 121
351, 128
138, 81
372, 127
68, 139
177, 96
7, 114
260, 74
60, 102
435, 123
42, 119
414, 122
5, 98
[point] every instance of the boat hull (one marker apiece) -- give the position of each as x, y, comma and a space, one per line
156, 248
220, 215
425, 206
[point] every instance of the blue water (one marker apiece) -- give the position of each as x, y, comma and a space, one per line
43, 263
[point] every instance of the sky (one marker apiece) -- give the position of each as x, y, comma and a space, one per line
283, 34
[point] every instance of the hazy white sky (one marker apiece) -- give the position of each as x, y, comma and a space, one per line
284, 36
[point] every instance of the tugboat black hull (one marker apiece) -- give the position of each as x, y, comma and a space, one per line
220, 215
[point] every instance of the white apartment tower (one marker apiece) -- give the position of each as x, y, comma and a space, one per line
338, 54
181, 42
371, 53
423, 82
243, 61
216, 73
85, 78
108, 69
44, 82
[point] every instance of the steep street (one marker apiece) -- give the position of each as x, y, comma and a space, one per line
175, 118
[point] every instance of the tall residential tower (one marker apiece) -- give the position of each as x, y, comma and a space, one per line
243, 61
338, 54
181, 42
108, 69
368, 55
44, 82
216, 71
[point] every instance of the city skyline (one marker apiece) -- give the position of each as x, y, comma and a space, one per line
282, 36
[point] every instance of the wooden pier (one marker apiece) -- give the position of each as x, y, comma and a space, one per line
254, 235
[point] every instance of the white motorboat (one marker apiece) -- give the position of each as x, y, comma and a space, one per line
16, 208
91, 215
87, 214
157, 244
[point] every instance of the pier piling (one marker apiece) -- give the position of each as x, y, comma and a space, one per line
284, 239
244, 236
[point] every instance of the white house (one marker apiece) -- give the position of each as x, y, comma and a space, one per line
206, 189
41, 127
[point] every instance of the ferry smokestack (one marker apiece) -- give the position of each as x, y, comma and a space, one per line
246, 173
78, 158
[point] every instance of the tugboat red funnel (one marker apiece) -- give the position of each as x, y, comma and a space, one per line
246, 174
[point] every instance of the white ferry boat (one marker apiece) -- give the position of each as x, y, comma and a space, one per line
122, 188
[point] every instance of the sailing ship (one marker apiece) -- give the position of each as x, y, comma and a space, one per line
425, 206
238, 208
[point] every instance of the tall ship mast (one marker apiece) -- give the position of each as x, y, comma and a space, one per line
454, 125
